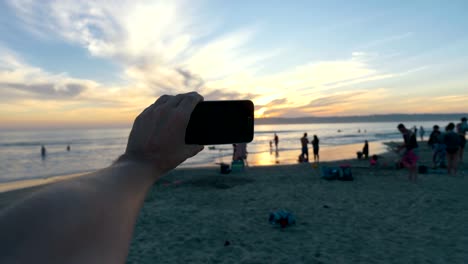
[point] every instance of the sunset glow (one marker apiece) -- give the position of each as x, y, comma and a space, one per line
90, 63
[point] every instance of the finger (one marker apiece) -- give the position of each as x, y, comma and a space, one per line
174, 102
162, 100
159, 102
181, 97
190, 101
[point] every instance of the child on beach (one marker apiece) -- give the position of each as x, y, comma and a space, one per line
421, 133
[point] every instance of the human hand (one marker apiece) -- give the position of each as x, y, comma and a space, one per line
158, 133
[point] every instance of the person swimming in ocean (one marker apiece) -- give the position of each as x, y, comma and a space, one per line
43, 151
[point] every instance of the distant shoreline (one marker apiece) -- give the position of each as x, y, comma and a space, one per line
384, 118
329, 154
398, 118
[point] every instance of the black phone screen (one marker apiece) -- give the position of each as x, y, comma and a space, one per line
221, 122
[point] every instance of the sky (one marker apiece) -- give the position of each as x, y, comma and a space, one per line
83, 63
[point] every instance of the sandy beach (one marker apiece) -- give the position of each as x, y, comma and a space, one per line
201, 216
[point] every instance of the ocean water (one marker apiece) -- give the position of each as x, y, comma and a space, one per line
93, 149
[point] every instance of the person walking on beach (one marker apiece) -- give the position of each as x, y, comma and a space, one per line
438, 148
365, 150
305, 148
462, 128
410, 157
276, 139
315, 146
452, 141
421, 133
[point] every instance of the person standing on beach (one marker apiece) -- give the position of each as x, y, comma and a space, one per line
276, 139
421, 133
462, 128
91, 219
315, 146
305, 148
452, 141
365, 150
438, 147
410, 157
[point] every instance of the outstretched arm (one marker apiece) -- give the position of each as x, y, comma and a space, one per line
91, 219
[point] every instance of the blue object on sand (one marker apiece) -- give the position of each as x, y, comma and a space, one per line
237, 165
329, 173
282, 218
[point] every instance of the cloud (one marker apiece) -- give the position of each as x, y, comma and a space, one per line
226, 95
19, 80
337, 103
142, 32
386, 40
272, 104
164, 48
47, 90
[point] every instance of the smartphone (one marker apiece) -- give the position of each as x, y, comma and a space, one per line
221, 122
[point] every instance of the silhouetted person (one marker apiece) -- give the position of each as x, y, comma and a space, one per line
43, 151
410, 157
421, 132
365, 150
305, 149
315, 146
452, 142
438, 147
462, 128
68, 148
276, 139
271, 147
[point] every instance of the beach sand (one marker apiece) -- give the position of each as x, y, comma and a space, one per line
379, 217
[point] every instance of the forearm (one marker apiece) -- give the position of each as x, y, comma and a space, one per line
91, 216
